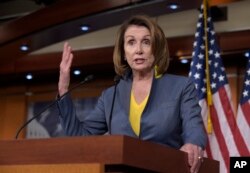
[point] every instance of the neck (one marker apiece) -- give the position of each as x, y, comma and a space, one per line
143, 75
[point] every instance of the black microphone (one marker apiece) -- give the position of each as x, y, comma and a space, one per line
116, 80
86, 79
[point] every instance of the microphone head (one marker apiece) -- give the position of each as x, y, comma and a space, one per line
89, 77
117, 79
86, 79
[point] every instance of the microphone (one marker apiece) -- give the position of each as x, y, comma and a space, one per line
86, 79
116, 80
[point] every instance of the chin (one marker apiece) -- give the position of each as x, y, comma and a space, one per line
142, 69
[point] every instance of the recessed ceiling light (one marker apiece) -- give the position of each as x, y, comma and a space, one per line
173, 6
24, 48
85, 28
29, 76
77, 72
184, 61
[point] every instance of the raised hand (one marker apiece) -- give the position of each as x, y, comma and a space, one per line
65, 65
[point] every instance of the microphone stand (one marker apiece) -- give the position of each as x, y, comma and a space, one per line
88, 78
117, 80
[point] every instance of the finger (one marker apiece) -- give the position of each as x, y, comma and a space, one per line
70, 57
198, 155
70, 60
194, 158
65, 51
197, 166
189, 150
193, 164
196, 161
66, 57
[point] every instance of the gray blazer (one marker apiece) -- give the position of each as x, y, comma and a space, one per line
172, 115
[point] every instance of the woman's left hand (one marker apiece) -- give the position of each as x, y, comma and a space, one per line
195, 156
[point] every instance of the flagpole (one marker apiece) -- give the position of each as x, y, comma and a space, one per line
209, 93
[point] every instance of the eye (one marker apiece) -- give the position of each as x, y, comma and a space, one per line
131, 42
146, 41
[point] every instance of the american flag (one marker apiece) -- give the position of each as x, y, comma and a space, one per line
225, 139
243, 116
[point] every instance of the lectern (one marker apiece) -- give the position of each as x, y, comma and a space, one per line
94, 154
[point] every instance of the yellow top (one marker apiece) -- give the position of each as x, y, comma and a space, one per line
136, 112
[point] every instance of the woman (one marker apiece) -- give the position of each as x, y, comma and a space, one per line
149, 103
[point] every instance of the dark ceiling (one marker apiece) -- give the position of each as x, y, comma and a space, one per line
58, 21
48, 22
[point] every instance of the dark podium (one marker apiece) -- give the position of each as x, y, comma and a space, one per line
94, 154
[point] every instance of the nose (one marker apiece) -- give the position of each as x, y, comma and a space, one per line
139, 49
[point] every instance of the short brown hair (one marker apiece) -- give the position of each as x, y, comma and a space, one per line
159, 44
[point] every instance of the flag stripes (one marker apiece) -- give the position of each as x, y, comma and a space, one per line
226, 138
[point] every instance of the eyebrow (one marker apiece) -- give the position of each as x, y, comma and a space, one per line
134, 36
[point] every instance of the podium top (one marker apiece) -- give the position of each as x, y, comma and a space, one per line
107, 150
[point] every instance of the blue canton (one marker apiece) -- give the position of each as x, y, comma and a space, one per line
246, 88
198, 64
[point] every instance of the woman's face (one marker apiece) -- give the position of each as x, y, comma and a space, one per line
138, 48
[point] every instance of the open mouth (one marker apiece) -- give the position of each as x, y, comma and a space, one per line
139, 60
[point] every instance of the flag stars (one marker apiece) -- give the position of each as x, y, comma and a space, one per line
216, 70
247, 82
195, 44
190, 74
197, 76
212, 42
198, 66
245, 93
198, 24
216, 64
221, 78
193, 53
211, 52
198, 70
213, 85
203, 89
201, 56
217, 55
248, 71
214, 75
